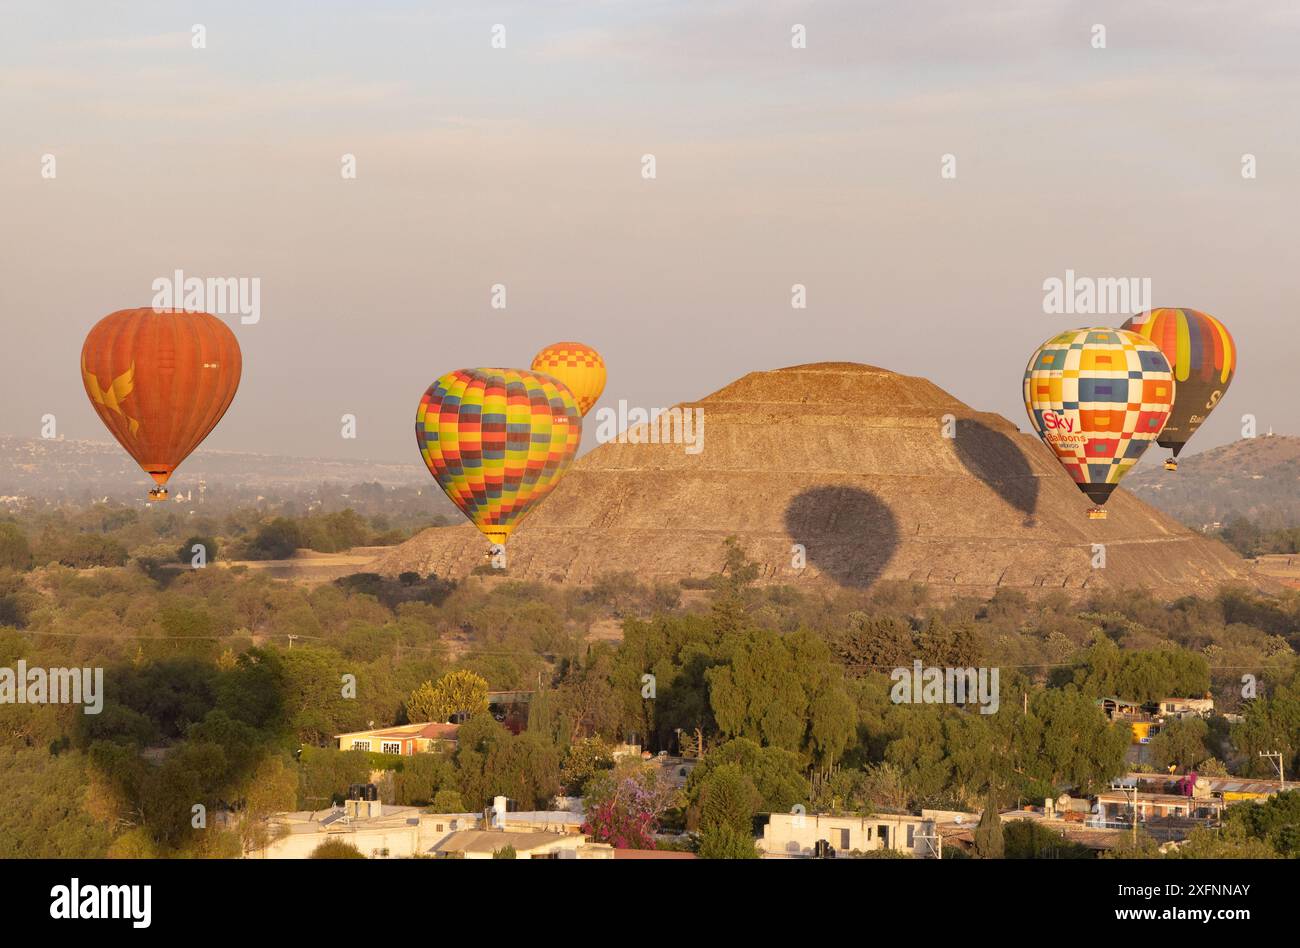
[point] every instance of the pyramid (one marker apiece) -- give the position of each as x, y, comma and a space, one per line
838, 474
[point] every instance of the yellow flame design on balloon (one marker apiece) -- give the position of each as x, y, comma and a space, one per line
112, 396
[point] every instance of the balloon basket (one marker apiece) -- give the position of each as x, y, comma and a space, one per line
1171, 464
1096, 513
157, 494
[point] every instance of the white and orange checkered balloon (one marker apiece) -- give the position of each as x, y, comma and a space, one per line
1098, 398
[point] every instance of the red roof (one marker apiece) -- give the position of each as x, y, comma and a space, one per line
440, 731
432, 730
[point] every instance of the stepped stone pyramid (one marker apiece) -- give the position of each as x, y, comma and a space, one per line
851, 462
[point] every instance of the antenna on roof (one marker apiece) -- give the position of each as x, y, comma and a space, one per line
1276, 755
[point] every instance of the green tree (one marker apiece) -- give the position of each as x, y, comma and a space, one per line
728, 798
87, 550
776, 773
989, 843
277, 540
325, 773
421, 778
457, 692
784, 691
15, 552
493, 762
336, 849
726, 842
1275, 821
1066, 741
1272, 723
447, 801
272, 788
1180, 743
185, 553
1027, 839
868, 642
582, 761
1231, 841
542, 715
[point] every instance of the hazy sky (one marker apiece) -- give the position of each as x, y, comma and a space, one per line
522, 166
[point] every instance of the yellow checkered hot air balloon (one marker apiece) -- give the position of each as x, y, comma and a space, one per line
497, 441
578, 366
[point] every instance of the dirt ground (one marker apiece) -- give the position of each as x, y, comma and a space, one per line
1284, 567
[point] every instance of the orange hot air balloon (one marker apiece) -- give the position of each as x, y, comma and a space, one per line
578, 366
160, 380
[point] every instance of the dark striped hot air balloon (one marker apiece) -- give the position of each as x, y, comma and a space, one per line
1203, 358
497, 441
1098, 398
160, 380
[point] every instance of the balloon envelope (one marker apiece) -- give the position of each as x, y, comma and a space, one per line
497, 441
160, 380
1203, 358
1098, 398
578, 366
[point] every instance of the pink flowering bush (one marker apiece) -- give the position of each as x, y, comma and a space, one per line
625, 811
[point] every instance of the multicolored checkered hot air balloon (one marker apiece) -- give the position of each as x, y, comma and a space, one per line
1098, 398
497, 441
1203, 358
578, 366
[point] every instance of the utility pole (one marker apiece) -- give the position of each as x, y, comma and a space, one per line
1276, 755
1125, 790
935, 842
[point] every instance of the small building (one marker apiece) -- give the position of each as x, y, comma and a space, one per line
1141, 718
1117, 709
674, 770
376, 830
501, 815
1185, 707
1144, 730
510, 709
481, 844
1116, 807
796, 835
402, 740
1227, 789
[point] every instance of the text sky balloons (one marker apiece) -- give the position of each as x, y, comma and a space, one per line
1098, 398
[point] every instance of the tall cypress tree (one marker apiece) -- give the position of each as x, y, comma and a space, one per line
988, 834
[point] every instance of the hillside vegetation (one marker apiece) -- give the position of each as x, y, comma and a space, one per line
209, 700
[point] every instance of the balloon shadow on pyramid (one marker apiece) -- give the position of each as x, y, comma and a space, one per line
847, 533
1000, 464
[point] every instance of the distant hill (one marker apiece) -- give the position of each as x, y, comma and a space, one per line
849, 463
35, 467
1258, 478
